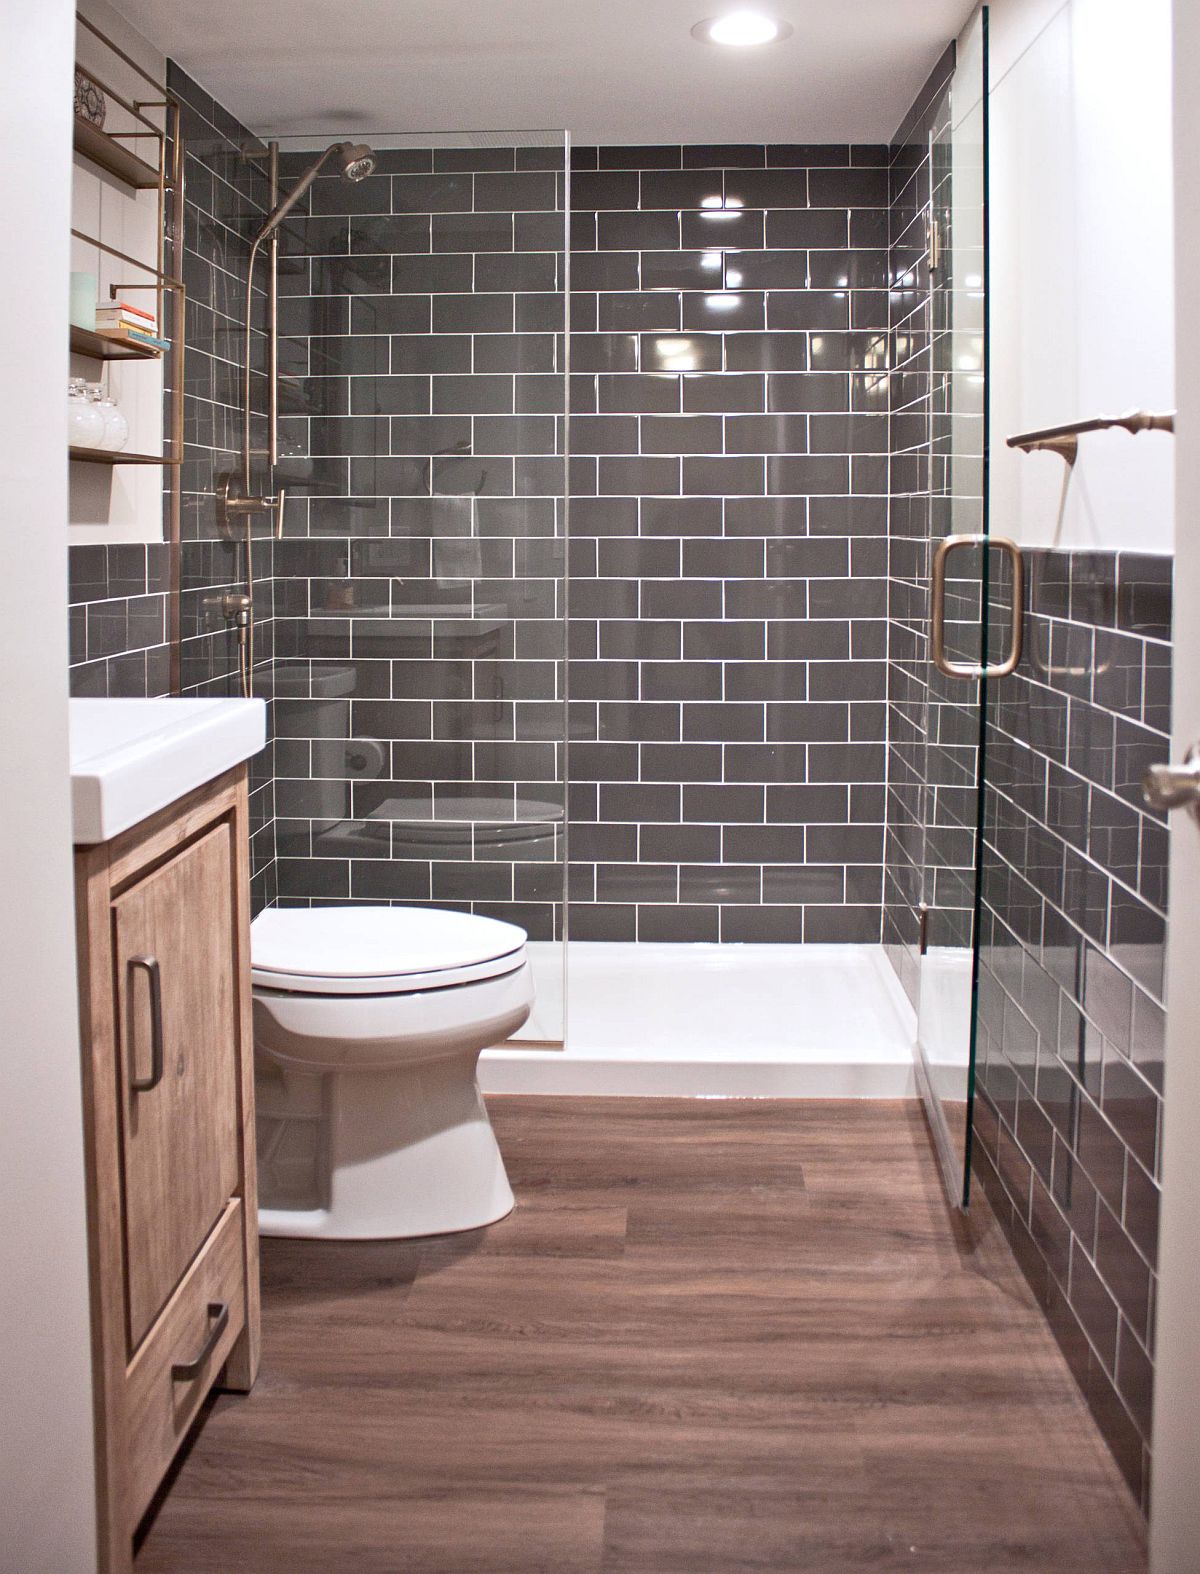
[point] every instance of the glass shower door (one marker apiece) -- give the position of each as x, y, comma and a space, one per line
419, 633
951, 760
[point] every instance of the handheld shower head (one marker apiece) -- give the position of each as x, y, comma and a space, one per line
357, 161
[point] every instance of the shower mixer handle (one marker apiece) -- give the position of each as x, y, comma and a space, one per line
231, 505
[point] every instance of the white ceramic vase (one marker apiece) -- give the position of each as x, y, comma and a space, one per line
85, 421
116, 427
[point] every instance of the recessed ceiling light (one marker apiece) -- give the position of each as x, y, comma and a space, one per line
741, 29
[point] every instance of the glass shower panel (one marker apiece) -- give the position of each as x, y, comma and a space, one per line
952, 759
419, 616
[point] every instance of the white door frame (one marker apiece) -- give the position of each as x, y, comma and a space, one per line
47, 1473
1175, 1484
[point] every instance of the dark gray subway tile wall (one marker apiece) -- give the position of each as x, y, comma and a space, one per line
728, 542
1071, 995
119, 594
933, 723
226, 196
728, 553
118, 620
730, 521
419, 633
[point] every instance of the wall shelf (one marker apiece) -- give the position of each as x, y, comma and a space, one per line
107, 456
101, 348
112, 156
142, 148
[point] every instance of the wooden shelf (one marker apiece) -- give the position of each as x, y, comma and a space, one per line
101, 348
107, 456
114, 157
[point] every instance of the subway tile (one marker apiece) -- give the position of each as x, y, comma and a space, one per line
472, 232
768, 352
680, 188
728, 155
765, 923
723, 392
769, 188
445, 192
678, 353
723, 476
723, 309
636, 231
800, 228
633, 311
723, 229
680, 434
606, 189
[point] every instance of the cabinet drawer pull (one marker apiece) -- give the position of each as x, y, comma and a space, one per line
185, 1371
149, 965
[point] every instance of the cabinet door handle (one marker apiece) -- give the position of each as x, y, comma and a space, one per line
185, 1371
149, 965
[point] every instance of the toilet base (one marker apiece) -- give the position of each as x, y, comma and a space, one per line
400, 1153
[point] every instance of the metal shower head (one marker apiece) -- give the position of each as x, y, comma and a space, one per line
357, 161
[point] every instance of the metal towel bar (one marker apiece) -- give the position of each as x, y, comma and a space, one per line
1064, 440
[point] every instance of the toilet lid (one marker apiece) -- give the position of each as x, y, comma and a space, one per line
378, 950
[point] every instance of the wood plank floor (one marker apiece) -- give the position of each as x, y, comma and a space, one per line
714, 1336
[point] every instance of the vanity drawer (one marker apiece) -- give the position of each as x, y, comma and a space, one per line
161, 1400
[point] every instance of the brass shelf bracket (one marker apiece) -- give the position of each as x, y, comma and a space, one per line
1064, 440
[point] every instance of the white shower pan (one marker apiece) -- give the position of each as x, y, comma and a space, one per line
716, 1021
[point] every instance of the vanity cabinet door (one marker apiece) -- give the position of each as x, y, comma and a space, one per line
176, 1065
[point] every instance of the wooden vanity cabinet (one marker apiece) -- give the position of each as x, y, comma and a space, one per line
163, 922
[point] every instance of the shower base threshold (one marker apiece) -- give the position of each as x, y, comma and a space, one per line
714, 1021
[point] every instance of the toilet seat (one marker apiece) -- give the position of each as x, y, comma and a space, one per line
379, 950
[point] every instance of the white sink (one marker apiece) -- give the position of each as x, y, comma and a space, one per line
130, 758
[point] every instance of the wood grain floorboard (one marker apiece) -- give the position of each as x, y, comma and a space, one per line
712, 1337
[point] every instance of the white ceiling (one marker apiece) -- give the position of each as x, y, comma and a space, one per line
621, 71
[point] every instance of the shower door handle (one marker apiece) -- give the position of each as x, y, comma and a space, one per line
937, 613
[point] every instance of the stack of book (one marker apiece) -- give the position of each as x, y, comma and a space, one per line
128, 324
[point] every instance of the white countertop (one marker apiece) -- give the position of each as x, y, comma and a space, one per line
130, 758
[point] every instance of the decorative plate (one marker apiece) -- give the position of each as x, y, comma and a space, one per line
89, 100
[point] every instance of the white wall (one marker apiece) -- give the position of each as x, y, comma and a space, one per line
47, 1490
1082, 265
1175, 1514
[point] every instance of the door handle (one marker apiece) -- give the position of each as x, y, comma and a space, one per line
937, 611
186, 1371
1174, 786
149, 965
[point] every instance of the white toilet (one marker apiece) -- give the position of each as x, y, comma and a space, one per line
368, 1025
